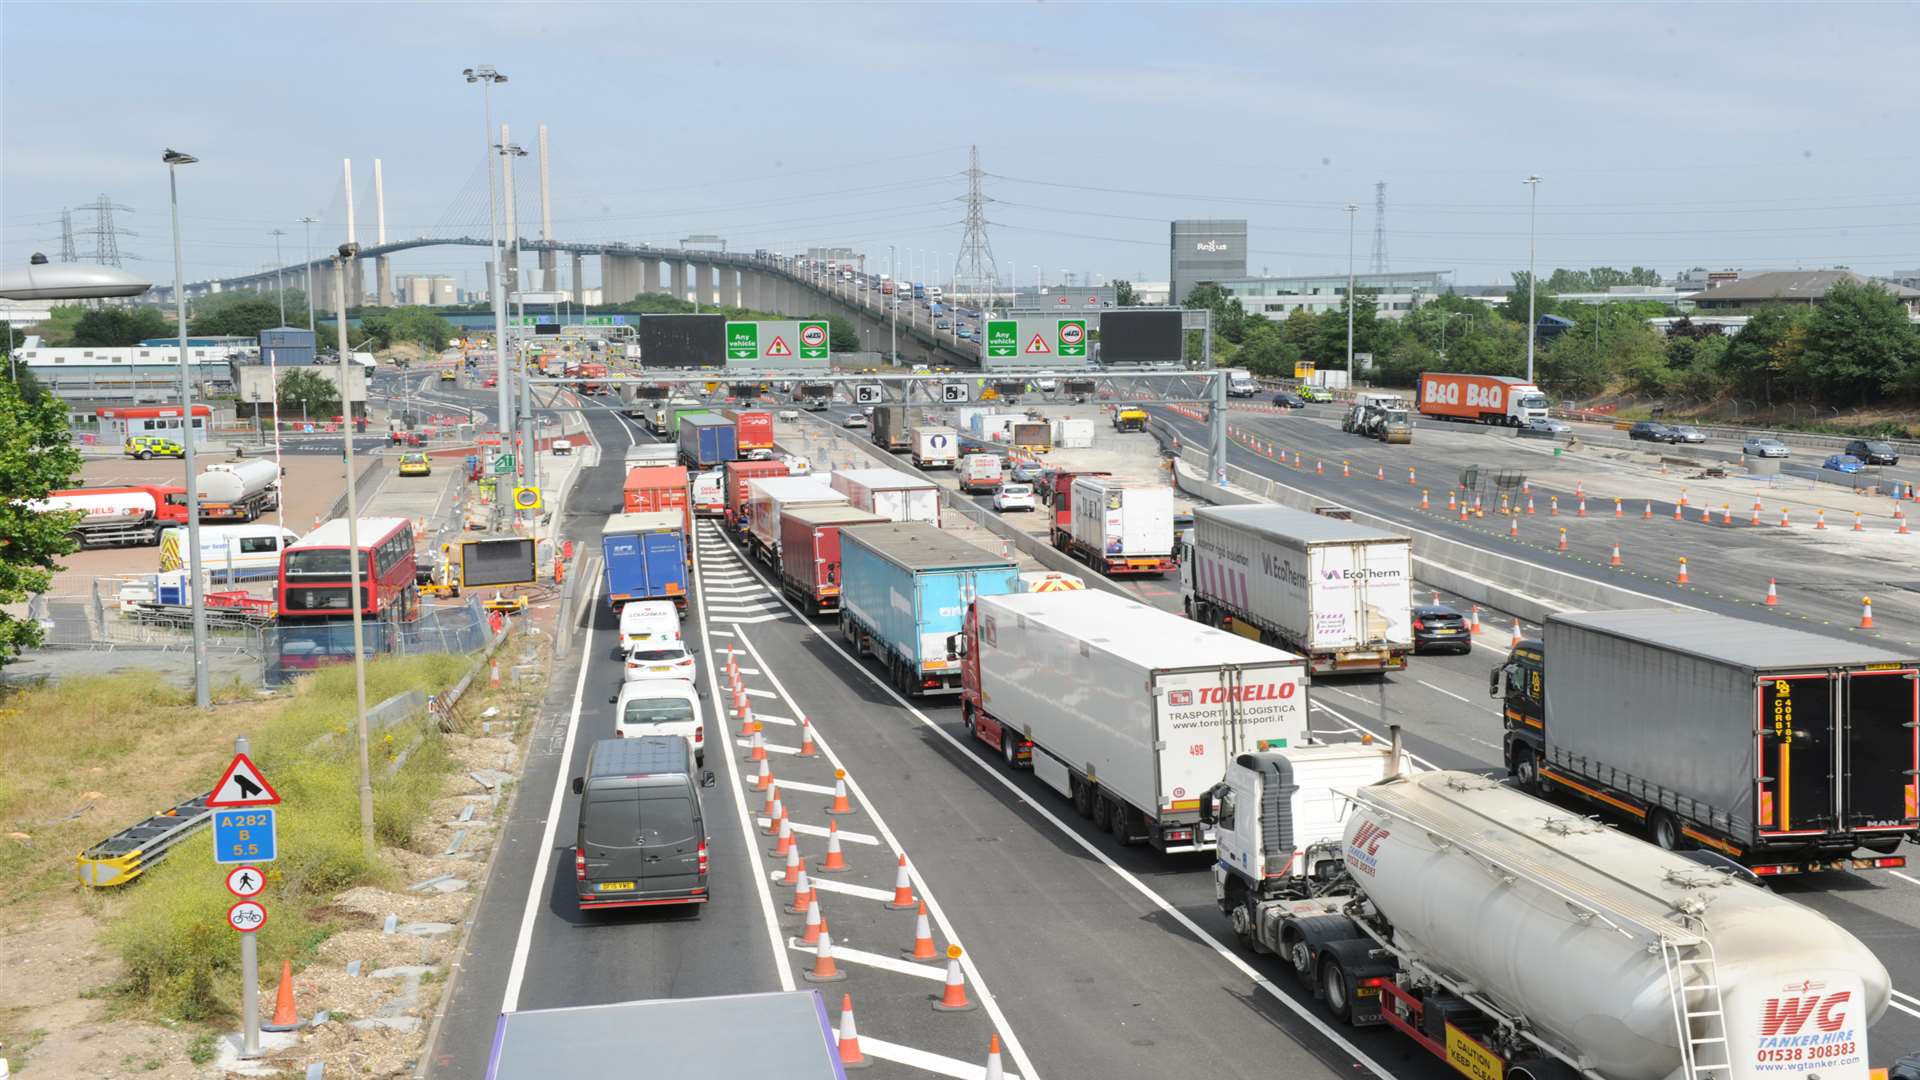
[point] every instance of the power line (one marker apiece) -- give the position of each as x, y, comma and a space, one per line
974, 272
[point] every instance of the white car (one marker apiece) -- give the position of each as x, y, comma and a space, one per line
562, 447
1013, 497
648, 621
1764, 446
661, 707
651, 661
856, 420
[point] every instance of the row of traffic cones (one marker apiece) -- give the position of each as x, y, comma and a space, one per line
852, 1057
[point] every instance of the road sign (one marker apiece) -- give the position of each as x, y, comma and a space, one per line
249, 835
526, 498
1303, 369
814, 341
1037, 346
743, 341
1073, 337
778, 347
503, 465
246, 882
1003, 337
954, 392
247, 916
242, 785
868, 394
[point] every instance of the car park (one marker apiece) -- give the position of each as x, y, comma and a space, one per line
1286, 399
146, 447
415, 464
1438, 627
660, 660
1543, 428
1013, 497
1765, 446
1648, 431
661, 707
1873, 451
1843, 463
642, 838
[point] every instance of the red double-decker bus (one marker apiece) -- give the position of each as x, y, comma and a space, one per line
315, 581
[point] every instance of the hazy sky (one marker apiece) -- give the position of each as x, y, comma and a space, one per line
1672, 135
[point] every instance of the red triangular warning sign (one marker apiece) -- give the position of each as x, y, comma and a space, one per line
779, 347
1038, 345
242, 785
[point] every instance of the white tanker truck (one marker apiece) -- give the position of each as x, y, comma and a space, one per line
1515, 940
239, 491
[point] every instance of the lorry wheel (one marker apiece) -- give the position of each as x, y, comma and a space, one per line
1664, 831
1300, 957
966, 720
1009, 749
1336, 988
1103, 813
1526, 770
1083, 797
1125, 821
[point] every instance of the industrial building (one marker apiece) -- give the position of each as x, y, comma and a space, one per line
426, 290
1806, 287
1395, 293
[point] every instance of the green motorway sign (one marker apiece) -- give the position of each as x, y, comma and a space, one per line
1003, 337
503, 465
743, 341
1073, 337
814, 339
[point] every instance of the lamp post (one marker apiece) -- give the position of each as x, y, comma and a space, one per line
1352, 209
201, 695
1533, 201
893, 332
1444, 320
347, 252
307, 224
486, 76
528, 461
279, 288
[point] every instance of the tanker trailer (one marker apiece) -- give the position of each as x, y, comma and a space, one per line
239, 491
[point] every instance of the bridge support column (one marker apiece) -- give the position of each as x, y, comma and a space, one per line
579, 289
549, 272
650, 271
490, 281
750, 290
357, 285
618, 279
730, 287
677, 278
383, 280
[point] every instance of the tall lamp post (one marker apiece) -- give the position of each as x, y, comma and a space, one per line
893, 330
346, 255
1533, 201
307, 222
202, 697
486, 76
1352, 209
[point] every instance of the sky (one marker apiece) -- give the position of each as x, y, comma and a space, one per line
1671, 136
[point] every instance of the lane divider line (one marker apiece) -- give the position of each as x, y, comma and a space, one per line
923, 1060
886, 963
826, 884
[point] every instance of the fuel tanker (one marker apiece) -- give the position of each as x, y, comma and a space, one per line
1511, 938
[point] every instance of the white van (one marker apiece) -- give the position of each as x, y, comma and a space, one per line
228, 552
648, 622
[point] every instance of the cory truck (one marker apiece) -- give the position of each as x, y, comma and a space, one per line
646, 558
1336, 592
1786, 751
810, 553
239, 490
904, 591
1129, 711
1118, 528
1484, 399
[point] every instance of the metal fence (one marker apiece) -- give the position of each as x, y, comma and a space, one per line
289, 650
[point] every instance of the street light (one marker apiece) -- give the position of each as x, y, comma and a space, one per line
1446, 318
486, 76
307, 222
347, 252
1352, 209
201, 696
893, 274
1533, 201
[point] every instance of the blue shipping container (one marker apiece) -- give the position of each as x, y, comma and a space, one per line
905, 587
646, 557
707, 440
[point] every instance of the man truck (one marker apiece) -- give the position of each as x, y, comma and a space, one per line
1482, 399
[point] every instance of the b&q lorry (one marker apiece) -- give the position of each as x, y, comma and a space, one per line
1129, 711
1484, 399
646, 558
1119, 528
1787, 751
904, 591
1516, 941
1336, 592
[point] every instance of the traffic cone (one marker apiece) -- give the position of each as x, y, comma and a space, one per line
285, 1018
922, 938
1580, 489
783, 841
1424, 504
1898, 513
1452, 503
1436, 596
733, 666
1514, 641
840, 803
1615, 560
794, 861
1346, 469
1463, 511
1319, 467
757, 747
1563, 539
1902, 530
849, 1038
1756, 513
836, 860
1476, 618
1683, 496
1706, 515
1819, 518
954, 998
803, 894
1618, 510
1773, 593
1856, 522
1647, 514
1583, 507
745, 712
1513, 528
1553, 506
825, 968
1382, 474
902, 889
1504, 508
1726, 513
1529, 506
815, 923
493, 675
807, 749
763, 780
1682, 579
1679, 510
994, 1069
1866, 623
774, 815
771, 807
1410, 480
1479, 511
1783, 517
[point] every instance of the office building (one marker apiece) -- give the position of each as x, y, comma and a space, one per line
1210, 249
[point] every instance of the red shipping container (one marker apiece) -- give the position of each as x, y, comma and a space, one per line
810, 552
655, 488
738, 473
752, 428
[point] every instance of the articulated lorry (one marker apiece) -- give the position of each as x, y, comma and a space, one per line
1119, 528
1129, 711
935, 447
1482, 399
239, 490
130, 516
1514, 940
646, 558
890, 429
1787, 751
904, 591
890, 493
707, 441
770, 496
810, 552
1338, 593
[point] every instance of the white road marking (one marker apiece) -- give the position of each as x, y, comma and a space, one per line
746, 620
1438, 690
538, 887
1905, 878
846, 835
793, 785
883, 962
921, 1059
848, 888
769, 718
719, 633
772, 748
751, 692
1377, 737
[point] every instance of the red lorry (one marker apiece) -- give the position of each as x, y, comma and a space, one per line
752, 429
810, 553
734, 485
1059, 495
655, 488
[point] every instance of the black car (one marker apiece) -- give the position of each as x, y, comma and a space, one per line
1287, 400
1437, 627
1649, 431
1874, 451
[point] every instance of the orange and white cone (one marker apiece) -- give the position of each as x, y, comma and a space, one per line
902, 889
1319, 468
1346, 469
807, 749
794, 861
493, 675
840, 803
745, 712
816, 923
774, 815
1615, 560
803, 894
1553, 506
285, 1016
825, 968
772, 807
1476, 619
1529, 506
1866, 613
783, 840
1726, 513
995, 1071
1773, 594
1706, 515
1784, 516
1514, 641
1452, 502
1382, 474
1679, 510
849, 1037
1463, 510
1683, 497
1513, 528
763, 780
1424, 503
1682, 579
836, 860
954, 997
757, 747
1756, 513
1857, 527
1563, 539
1647, 513
1583, 506
922, 938
1819, 518
1410, 475
1902, 530
1618, 509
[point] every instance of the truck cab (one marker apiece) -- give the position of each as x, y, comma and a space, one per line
1520, 685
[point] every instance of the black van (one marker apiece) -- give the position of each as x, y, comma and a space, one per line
642, 839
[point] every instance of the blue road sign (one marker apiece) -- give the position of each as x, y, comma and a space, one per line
246, 835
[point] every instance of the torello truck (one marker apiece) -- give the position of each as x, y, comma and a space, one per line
753, 428
1787, 751
1484, 399
935, 447
1511, 939
810, 553
646, 558
1120, 529
904, 591
890, 428
1129, 711
769, 497
1337, 592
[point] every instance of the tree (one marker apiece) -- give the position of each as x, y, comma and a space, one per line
243, 317
1229, 318
1763, 359
1123, 294
416, 324
315, 392
35, 458
1858, 344
116, 328
1266, 351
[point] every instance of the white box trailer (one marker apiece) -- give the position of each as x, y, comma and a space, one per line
1073, 433
935, 447
768, 496
1130, 711
1121, 527
890, 493
1337, 592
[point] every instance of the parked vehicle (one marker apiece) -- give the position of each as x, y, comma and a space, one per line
935, 447
1485, 399
1130, 419
810, 552
243, 490
890, 429
118, 516
1548, 428
979, 473
1031, 436
1874, 451
890, 493
657, 488
769, 497
642, 837
228, 552
661, 707
738, 474
1129, 711
1378, 416
1843, 463
645, 556
146, 447
1512, 940
707, 440
1830, 769
1437, 626
1119, 528
1013, 497
1765, 446
904, 594
1648, 431
1332, 590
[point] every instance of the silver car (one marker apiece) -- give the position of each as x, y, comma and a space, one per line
1766, 447
1685, 434
1543, 428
